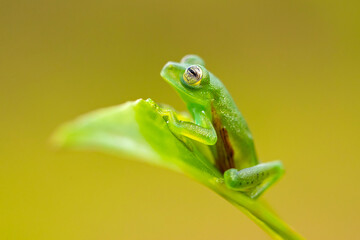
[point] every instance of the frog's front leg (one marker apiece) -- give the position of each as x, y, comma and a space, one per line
202, 130
204, 133
254, 180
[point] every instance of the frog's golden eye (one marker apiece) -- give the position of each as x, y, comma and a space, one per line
193, 75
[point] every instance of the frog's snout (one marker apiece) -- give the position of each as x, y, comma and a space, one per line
172, 70
169, 66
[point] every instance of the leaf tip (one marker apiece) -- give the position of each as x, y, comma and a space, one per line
61, 137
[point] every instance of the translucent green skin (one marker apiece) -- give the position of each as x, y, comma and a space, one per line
208, 99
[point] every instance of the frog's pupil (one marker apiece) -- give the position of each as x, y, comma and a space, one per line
193, 72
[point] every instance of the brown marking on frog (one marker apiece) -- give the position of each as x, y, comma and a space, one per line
224, 152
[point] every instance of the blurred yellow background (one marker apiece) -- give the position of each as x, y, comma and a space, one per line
291, 66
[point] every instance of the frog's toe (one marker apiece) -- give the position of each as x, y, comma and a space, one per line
152, 103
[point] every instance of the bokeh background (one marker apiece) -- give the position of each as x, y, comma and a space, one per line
292, 67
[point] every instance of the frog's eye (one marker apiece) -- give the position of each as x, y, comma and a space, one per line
193, 75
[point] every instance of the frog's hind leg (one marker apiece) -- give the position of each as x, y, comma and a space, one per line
254, 180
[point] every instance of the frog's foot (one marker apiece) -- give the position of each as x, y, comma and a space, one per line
152, 103
164, 110
254, 180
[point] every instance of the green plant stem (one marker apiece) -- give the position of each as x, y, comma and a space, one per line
260, 214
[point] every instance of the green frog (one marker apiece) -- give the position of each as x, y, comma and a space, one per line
218, 123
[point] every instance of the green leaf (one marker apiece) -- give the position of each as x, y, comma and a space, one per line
138, 130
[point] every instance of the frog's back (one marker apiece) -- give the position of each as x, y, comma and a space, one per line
234, 137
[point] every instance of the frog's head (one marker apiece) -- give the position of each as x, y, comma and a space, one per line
190, 79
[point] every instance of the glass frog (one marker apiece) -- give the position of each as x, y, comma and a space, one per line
218, 123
